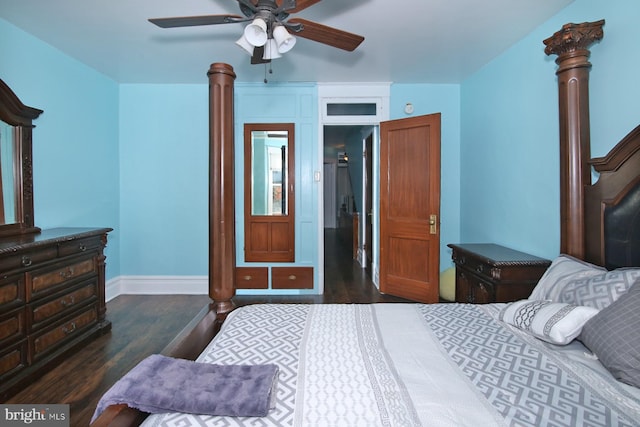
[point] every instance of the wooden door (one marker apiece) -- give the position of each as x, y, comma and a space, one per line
410, 208
368, 210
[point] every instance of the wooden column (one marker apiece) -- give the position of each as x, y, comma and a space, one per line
571, 44
222, 248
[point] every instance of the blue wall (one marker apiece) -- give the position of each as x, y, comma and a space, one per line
75, 142
164, 161
509, 136
134, 157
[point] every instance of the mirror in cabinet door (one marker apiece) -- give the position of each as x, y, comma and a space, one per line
269, 192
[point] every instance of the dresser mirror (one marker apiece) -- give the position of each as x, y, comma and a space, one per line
16, 167
269, 192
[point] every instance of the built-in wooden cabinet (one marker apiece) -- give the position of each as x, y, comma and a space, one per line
252, 277
52, 300
291, 277
269, 192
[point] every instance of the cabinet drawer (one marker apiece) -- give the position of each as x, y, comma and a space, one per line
13, 359
252, 277
23, 259
63, 332
11, 291
61, 304
79, 246
44, 280
12, 326
292, 277
475, 265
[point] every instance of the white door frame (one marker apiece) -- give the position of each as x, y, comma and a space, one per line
347, 93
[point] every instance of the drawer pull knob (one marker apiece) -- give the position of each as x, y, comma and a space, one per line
26, 261
479, 268
292, 277
247, 278
67, 331
67, 273
65, 303
82, 247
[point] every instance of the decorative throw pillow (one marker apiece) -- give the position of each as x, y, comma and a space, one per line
614, 336
563, 269
600, 290
554, 322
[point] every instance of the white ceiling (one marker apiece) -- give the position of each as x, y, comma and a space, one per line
406, 41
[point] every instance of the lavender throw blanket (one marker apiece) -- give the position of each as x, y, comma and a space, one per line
163, 384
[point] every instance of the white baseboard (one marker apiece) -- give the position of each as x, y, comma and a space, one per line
156, 285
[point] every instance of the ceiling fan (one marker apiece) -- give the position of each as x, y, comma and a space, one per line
266, 37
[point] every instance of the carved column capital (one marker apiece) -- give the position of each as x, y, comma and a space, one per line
573, 38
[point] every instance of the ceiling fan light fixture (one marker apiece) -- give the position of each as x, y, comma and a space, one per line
245, 45
271, 50
256, 32
284, 40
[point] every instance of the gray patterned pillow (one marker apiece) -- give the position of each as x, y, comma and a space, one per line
614, 336
562, 270
600, 290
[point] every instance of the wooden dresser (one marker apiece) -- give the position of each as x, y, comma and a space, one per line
52, 299
487, 273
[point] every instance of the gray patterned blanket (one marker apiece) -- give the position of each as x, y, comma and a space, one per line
409, 365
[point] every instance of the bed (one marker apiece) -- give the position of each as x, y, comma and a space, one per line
569, 355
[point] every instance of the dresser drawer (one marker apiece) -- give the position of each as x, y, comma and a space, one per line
252, 277
292, 277
50, 339
46, 280
78, 246
11, 291
12, 326
13, 359
23, 259
43, 312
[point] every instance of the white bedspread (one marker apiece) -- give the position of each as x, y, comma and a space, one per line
411, 365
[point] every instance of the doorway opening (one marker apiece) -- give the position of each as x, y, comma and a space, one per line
348, 192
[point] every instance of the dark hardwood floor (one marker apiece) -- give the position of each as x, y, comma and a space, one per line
143, 325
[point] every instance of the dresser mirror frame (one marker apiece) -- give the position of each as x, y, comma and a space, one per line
269, 234
17, 124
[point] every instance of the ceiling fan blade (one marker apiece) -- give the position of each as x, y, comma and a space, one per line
327, 35
189, 21
287, 5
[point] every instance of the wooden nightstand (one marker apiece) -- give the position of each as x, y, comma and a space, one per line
487, 273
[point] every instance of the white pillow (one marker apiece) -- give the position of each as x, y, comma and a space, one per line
563, 269
554, 322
